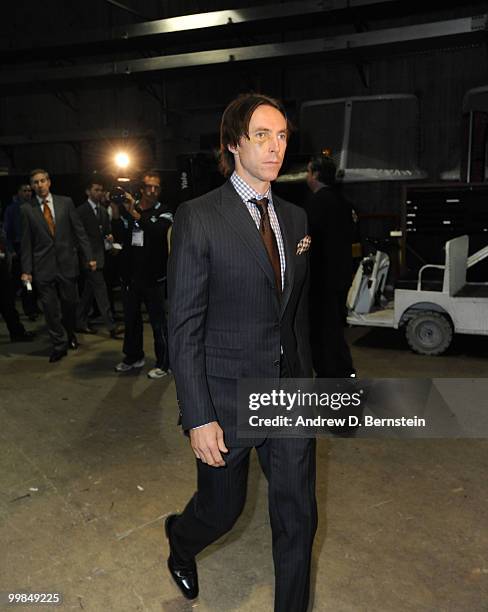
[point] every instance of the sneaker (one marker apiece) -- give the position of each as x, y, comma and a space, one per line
125, 367
158, 373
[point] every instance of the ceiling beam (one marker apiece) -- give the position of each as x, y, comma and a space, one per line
204, 21
468, 30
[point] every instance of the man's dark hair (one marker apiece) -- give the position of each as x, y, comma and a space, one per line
152, 173
94, 180
325, 167
38, 171
235, 124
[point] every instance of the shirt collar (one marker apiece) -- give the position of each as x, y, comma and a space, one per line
49, 199
156, 205
246, 192
92, 203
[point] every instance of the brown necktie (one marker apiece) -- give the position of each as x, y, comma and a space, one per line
269, 239
48, 215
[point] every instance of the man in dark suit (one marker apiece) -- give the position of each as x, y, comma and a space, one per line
238, 308
330, 223
51, 230
13, 229
96, 222
8, 311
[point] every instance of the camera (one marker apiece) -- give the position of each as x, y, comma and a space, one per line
117, 195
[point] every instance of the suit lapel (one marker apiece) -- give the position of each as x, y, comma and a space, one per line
287, 235
58, 210
90, 218
235, 212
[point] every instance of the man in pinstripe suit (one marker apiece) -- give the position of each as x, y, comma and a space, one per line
237, 295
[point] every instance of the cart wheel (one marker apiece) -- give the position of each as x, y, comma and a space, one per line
429, 333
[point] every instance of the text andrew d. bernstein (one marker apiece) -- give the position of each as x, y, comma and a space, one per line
350, 421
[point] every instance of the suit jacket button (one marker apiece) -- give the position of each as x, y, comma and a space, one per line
276, 362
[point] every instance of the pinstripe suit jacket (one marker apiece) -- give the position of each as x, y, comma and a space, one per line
225, 319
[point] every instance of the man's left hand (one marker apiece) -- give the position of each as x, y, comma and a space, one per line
208, 443
92, 265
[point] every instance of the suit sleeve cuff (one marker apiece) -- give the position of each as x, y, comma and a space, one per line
200, 426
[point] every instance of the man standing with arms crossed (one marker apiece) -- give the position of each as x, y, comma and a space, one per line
237, 293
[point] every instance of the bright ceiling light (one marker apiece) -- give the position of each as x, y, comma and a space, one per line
122, 159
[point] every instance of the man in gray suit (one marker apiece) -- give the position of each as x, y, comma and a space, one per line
96, 222
238, 308
51, 231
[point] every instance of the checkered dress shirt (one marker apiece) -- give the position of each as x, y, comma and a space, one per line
246, 192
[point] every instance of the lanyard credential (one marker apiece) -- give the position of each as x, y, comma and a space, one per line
137, 235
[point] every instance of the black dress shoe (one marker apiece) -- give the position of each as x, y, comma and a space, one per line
73, 343
27, 336
57, 355
86, 330
184, 573
117, 333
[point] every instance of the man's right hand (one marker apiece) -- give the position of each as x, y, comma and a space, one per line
26, 278
130, 206
207, 443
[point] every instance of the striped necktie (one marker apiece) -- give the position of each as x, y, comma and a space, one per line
269, 239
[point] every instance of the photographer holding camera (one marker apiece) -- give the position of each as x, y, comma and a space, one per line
143, 270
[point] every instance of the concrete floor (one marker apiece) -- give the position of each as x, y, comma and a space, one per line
91, 462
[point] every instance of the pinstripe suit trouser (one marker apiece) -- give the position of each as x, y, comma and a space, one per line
289, 466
